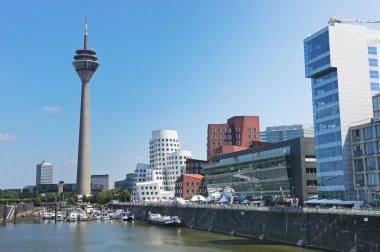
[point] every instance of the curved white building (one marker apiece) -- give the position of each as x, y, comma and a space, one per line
167, 162
162, 143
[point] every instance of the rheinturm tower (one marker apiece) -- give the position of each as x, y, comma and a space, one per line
85, 63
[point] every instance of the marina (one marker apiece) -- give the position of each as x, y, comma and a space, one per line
35, 234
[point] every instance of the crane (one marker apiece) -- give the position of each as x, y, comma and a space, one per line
334, 20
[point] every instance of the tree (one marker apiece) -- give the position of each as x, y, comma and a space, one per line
37, 201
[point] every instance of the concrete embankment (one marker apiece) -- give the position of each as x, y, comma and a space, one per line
330, 231
20, 209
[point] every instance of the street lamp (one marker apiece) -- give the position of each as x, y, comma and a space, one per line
357, 191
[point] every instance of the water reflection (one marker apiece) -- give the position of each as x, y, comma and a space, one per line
36, 235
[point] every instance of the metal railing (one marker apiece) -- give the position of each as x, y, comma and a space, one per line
290, 209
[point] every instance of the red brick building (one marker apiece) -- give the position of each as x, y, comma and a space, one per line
194, 166
188, 185
239, 130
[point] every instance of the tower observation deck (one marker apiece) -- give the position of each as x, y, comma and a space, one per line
85, 64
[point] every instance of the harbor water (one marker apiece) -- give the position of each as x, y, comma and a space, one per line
33, 234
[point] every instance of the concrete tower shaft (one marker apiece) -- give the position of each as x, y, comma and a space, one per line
85, 64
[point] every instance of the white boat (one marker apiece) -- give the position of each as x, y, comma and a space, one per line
163, 220
89, 209
127, 216
83, 217
73, 216
52, 215
45, 215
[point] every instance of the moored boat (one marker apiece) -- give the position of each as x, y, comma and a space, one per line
163, 220
127, 216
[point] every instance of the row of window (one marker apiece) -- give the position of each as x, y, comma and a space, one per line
325, 100
370, 164
333, 85
370, 179
369, 148
164, 140
180, 184
334, 110
366, 133
163, 144
329, 152
311, 67
316, 46
199, 191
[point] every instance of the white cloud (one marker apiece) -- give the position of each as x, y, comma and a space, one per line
5, 137
71, 162
52, 109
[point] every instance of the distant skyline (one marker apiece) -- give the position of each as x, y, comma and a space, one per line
176, 65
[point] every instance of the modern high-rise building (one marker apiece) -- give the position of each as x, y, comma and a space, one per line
85, 64
167, 163
103, 181
281, 133
342, 62
239, 130
44, 173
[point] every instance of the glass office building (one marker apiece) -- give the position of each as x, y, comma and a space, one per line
277, 134
44, 173
341, 61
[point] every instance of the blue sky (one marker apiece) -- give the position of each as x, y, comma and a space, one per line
163, 65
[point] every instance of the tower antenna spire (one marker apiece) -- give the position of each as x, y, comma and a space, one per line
85, 34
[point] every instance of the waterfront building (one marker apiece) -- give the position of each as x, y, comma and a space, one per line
195, 166
281, 133
85, 64
44, 173
342, 62
166, 163
239, 131
188, 185
365, 146
285, 169
103, 181
127, 183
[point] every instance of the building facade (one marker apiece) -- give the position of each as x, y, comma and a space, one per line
127, 183
277, 134
166, 163
188, 185
342, 62
286, 169
195, 166
239, 130
365, 146
103, 181
44, 173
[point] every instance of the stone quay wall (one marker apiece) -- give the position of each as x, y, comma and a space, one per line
341, 231
21, 208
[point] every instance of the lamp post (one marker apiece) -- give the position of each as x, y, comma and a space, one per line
357, 191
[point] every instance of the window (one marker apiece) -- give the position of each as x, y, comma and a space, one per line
371, 164
237, 129
356, 135
375, 86
373, 62
374, 74
367, 133
359, 180
358, 163
371, 179
369, 148
372, 50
